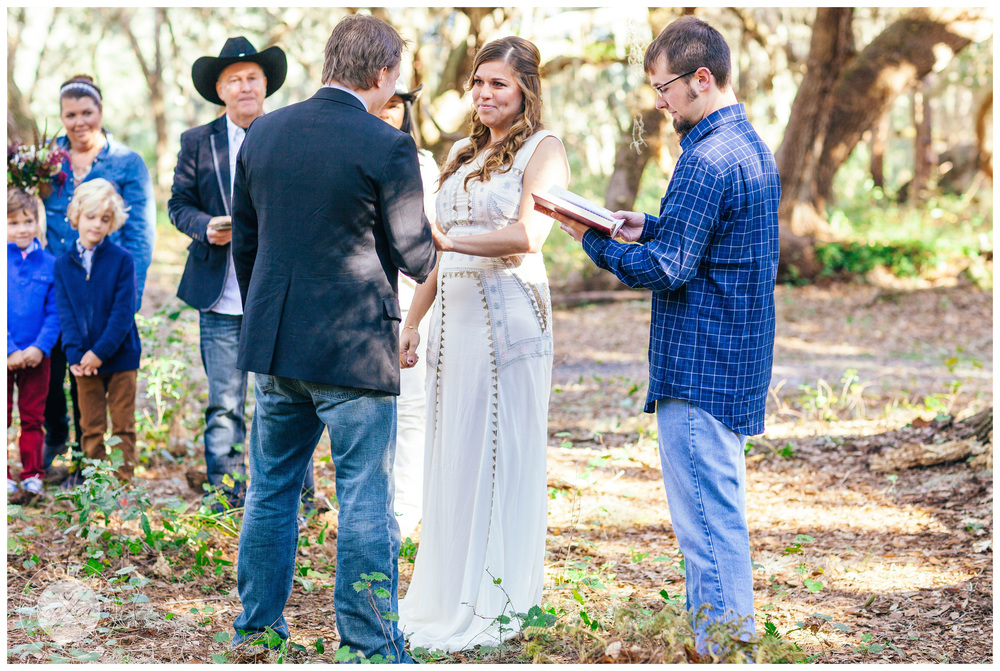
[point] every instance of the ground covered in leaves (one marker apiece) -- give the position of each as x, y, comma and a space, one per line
852, 565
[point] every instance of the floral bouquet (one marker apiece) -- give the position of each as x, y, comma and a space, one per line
36, 168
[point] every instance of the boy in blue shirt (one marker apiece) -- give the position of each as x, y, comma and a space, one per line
96, 295
32, 329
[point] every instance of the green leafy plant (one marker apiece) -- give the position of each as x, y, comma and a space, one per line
367, 584
408, 550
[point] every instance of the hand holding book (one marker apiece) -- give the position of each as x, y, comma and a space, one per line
557, 201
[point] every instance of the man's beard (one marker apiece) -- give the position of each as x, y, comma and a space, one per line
682, 127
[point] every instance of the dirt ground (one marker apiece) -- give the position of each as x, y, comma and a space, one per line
903, 561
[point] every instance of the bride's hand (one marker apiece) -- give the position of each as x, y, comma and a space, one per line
409, 339
441, 241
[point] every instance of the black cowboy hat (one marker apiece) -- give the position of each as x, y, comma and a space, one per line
206, 70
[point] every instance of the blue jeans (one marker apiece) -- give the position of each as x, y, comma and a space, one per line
287, 424
225, 426
704, 474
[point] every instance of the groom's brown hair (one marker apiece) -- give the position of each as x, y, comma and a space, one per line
359, 47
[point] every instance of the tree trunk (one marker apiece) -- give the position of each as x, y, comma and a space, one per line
841, 97
985, 154
630, 161
904, 53
20, 122
923, 160
878, 145
800, 210
153, 73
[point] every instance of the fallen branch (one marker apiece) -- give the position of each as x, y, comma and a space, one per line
976, 441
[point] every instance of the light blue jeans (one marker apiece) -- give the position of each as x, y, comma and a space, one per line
287, 424
225, 426
704, 474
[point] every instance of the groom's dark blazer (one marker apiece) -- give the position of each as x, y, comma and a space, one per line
327, 207
200, 192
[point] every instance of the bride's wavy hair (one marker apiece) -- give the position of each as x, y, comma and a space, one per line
524, 61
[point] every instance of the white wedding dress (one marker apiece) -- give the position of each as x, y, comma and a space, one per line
489, 362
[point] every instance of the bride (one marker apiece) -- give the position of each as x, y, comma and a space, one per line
489, 363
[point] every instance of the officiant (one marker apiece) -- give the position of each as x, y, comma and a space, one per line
200, 206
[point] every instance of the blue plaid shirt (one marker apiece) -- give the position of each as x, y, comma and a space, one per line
710, 259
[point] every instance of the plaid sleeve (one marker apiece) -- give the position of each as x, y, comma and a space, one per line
687, 222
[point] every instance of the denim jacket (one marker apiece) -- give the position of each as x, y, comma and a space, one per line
125, 169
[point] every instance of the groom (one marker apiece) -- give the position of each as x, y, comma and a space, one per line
327, 207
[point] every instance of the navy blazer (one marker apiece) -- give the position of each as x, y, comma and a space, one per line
327, 209
200, 192
97, 311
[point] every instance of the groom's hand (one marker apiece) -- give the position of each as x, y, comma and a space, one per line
409, 339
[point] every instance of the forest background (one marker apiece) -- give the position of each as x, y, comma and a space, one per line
881, 121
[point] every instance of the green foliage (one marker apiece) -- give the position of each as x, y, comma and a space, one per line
408, 550
908, 240
868, 646
827, 403
850, 257
163, 372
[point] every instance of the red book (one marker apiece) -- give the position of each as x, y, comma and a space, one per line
578, 209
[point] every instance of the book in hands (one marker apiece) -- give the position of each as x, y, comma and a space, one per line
578, 209
222, 226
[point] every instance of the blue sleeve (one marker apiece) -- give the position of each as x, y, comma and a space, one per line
72, 342
688, 219
11, 345
122, 312
139, 231
47, 337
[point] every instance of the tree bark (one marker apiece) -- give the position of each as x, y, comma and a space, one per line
878, 145
923, 160
799, 210
972, 437
20, 122
630, 161
840, 98
985, 154
801, 148
904, 53
153, 74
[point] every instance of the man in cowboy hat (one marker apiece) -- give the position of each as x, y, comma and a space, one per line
200, 206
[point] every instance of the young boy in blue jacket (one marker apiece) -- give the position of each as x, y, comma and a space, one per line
96, 295
32, 330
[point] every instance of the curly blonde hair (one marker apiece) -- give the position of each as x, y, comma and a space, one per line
97, 195
524, 61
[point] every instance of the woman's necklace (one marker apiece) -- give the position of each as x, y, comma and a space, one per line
83, 161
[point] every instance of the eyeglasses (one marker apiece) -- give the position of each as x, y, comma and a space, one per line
662, 88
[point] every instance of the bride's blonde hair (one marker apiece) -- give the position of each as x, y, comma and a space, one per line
524, 61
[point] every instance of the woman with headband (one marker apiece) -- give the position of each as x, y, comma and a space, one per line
93, 153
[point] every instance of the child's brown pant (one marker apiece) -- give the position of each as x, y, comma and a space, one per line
99, 395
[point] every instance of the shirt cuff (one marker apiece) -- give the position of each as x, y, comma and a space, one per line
594, 245
647, 228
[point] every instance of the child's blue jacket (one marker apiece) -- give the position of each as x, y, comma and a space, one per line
32, 316
97, 311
